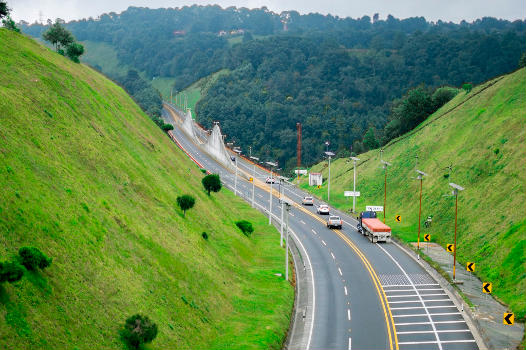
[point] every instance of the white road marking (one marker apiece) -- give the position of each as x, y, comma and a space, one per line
436, 322
291, 214
340, 271
417, 301
405, 285
322, 241
413, 295
303, 222
441, 331
349, 343
349, 314
438, 314
345, 289
422, 307
436, 342
411, 290
333, 257
314, 232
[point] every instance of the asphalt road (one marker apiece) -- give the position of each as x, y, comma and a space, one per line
367, 296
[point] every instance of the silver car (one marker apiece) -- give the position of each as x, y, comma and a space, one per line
334, 222
323, 209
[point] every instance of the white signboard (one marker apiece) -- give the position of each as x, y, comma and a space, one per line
300, 171
374, 208
351, 193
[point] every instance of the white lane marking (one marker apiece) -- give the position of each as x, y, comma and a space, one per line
303, 222
413, 295
291, 214
423, 307
418, 301
340, 271
441, 331
349, 343
333, 257
354, 227
435, 322
410, 290
314, 232
259, 195
426, 314
322, 241
436, 342
349, 314
345, 289
405, 285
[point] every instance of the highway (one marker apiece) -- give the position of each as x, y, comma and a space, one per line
362, 295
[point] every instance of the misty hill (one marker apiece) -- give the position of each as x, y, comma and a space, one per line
90, 180
481, 135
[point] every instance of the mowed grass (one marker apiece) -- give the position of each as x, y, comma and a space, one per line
484, 141
89, 179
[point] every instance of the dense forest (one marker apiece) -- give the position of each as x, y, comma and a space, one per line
339, 77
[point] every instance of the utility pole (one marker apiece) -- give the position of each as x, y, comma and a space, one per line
270, 193
354, 185
255, 159
287, 243
386, 164
329, 154
238, 152
456, 189
282, 210
420, 177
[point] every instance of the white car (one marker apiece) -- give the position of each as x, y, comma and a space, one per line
323, 209
270, 180
307, 201
334, 222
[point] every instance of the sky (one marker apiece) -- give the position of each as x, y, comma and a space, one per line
432, 10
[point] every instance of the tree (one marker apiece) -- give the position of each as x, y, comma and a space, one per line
522, 61
74, 51
4, 10
139, 330
369, 139
10, 24
245, 226
32, 258
212, 182
185, 202
58, 35
10, 271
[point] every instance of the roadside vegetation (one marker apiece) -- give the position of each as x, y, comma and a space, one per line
89, 180
476, 141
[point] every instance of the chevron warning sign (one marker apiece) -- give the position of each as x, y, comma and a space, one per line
487, 287
470, 266
427, 237
398, 218
508, 318
450, 248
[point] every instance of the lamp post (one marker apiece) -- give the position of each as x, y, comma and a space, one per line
456, 189
420, 177
255, 159
329, 154
270, 193
288, 205
386, 164
354, 185
238, 151
281, 180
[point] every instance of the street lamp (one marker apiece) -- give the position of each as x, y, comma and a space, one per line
386, 164
456, 189
270, 193
329, 154
281, 180
354, 184
420, 177
288, 205
255, 159
238, 151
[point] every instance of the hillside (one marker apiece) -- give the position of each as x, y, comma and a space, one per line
483, 138
89, 179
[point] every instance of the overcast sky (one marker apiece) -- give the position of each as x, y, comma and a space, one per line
433, 10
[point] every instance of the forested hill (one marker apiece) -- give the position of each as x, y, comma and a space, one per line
337, 76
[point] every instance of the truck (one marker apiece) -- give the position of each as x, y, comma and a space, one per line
374, 229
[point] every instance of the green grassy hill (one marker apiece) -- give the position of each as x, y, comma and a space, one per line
89, 179
482, 135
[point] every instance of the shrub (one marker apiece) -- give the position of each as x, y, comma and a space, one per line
205, 236
245, 226
32, 258
10, 271
185, 202
203, 170
211, 182
467, 87
167, 127
138, 330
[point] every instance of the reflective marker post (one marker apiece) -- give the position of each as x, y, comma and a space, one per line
456, 189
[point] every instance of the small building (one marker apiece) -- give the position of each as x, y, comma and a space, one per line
315, 179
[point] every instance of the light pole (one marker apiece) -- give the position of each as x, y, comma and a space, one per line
386, 164
282, 210
420, 177
456, 189
329, 154
287, 204
238, 152
354, 185
255, 159
270, 193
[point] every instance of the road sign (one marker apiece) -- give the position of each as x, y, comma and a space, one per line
470, 266
450, 248
508, 318
374, 208
250, 179
427, 237
351, 193
486, 287
319, 186
398, 218
300, 171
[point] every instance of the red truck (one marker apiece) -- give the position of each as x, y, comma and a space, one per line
374, 229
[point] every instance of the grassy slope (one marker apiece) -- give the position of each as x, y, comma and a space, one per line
88, 178
484, 139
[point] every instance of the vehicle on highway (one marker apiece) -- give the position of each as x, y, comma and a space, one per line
270, 180
323, 209
334, 222
307, 201
374, 229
